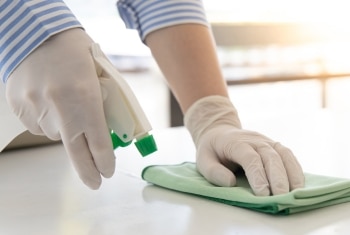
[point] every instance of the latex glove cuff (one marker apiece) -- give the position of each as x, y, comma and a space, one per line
210, 111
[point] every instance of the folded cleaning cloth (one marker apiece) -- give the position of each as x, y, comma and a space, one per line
319, 191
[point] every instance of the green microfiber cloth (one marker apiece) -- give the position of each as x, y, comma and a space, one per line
319, 191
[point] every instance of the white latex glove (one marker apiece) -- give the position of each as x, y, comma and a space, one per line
55, 92
223, 146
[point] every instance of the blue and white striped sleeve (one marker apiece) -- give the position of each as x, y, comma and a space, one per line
25, 24
151, 15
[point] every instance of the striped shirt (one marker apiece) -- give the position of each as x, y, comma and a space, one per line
25, 24
150, 15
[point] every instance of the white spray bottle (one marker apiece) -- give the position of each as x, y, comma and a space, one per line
124, 115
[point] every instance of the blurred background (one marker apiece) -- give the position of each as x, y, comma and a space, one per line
278, 57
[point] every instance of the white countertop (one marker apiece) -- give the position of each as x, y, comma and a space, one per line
40, 193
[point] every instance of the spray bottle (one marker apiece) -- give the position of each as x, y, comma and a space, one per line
124, 115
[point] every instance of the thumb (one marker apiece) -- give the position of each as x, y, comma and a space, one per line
215, 172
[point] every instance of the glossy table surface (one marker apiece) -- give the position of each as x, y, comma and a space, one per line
40, 192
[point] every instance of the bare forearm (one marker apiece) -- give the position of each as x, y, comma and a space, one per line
187, 57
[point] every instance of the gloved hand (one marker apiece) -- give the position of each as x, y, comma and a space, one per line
55, 92
223, 147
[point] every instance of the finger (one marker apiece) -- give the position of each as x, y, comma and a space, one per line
210, 167
99, 140
85, 115
22, 99
101, 147
31, 124
26, 115
294, 170
246, 156
274, 168
80, 155
49, 126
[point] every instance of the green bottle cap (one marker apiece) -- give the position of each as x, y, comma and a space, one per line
146, 145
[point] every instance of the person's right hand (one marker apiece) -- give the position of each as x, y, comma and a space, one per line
223, 147
55, 92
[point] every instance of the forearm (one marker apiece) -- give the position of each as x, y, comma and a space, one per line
24, 25
187, 57
179, 37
